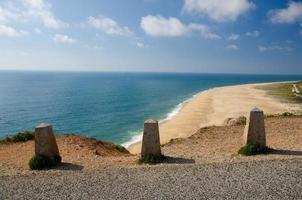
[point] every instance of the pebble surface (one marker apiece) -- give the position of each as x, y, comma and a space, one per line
271, 179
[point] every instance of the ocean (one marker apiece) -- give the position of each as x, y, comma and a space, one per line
107, 106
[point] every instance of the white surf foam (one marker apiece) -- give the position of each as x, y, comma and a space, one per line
138, 136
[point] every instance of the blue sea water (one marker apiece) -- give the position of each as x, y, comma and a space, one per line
108, 106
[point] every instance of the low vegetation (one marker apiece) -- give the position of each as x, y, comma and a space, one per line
250, 150
283, 91
120, 148
241, 120
19, 137
151, 159
39, 162
285, 114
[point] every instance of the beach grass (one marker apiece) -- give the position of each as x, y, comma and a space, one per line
283, 91
285, 114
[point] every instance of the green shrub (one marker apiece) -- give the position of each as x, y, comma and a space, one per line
241, 120
286, 114
151, 159
19, 137
249, 150
39, 162
120, 148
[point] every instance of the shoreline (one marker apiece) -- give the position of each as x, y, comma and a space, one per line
202, 110
169, 116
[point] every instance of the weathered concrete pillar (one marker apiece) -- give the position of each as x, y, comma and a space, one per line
254, 133
45, 142
151, 141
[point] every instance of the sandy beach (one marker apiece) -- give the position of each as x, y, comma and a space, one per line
213, 107
197, 141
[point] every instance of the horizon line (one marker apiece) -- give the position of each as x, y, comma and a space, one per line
146, 72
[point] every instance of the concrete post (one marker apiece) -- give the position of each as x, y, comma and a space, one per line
45, 142
151, 140
254, 133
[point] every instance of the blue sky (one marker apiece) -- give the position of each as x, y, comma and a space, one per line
212, 36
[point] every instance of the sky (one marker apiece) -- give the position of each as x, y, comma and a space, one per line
203, 36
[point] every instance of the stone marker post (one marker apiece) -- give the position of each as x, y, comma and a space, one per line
254, 133
45, 142
151, 140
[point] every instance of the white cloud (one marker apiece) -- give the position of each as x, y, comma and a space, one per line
35, 4
233, 37
42, 10
28, 9
232, 47
159, 26
108, 26
219, 10
64, 39
253, 34
289, 15
274, 48
6, 15
140, 45
8, 31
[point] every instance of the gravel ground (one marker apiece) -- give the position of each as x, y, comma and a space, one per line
275, 179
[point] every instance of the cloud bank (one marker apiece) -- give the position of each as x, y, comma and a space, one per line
158, 26
41, 9
10, 31
219, 10
108, 26
289, 15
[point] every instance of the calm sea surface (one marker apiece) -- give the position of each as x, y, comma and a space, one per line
108, 106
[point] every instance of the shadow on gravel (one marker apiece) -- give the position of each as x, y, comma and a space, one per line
175, 160
286, 152
69, 166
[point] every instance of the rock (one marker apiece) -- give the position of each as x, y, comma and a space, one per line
254, 133
45, 142
235, 121
151, 140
